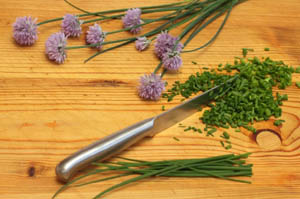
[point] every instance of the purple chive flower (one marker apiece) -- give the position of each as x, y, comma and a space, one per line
95, 35
131, 19
142, 43
55, 47
151, 87
25, 31
172, 61
71, 26
165, 43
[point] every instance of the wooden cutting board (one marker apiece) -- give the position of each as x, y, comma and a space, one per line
49, 111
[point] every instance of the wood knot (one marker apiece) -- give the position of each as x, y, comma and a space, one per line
31, 171
268, 139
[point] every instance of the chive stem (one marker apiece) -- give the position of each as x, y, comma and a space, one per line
158, 67
204, 25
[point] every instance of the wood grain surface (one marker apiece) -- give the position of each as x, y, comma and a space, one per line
49, 111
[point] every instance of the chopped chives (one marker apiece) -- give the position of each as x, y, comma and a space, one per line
278, 122
246, 50
225, 135
211, 132
247, 100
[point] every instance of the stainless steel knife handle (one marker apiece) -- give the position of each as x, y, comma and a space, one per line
104, 148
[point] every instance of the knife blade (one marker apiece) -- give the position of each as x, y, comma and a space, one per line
117, 142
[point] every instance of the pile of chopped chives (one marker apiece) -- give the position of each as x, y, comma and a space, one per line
249, 99
223, 167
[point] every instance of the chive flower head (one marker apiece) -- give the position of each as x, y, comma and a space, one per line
142, 43
71, 26
25, 31
165, 43
151, 87
131, 19
55, 47
95, 35
172, 61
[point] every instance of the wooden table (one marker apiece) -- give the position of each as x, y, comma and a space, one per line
49, 111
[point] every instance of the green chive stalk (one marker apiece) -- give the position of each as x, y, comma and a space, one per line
124, 9
100, 13
222, 167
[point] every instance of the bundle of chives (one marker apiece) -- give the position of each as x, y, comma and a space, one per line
191, 12
191, 15
223, 167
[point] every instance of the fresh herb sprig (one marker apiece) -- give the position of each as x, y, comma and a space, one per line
222, 167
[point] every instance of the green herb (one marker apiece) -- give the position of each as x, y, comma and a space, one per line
222, 143
199, 130
163, 108
247, 100
284, 97
297, 69
211, 132
225, 135
298, 84
188, 128
278, 122
220, 69
193, 129
222, 167
175, 138
193, 62
250, 128
191, 13
267, 49
246, 50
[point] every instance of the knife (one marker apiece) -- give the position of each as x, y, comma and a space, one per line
117, 142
